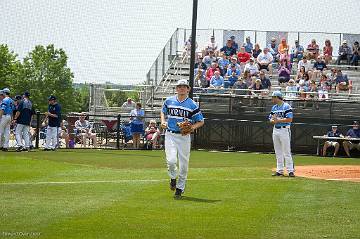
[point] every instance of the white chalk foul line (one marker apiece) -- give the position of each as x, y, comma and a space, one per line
129, 181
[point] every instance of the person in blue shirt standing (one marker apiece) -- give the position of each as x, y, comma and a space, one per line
281, 116
352, 133
177, 109
6, 111
22, 119
54, 121
137, 124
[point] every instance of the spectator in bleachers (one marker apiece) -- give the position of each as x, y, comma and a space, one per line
248, 79
211, 46
306, 64
274, 49
297, 52
252, 67
313, 90
355, 54
352, 133
265, 81
248, 45
304, 85
217, 81
264, 60
152, 134
243, 56
313, 50
257, 88
332, 143
84, 130
256, 51
324, 87
64, 134
128, 105
291, 89
301, 73
210, 58
344, 53
187, 47
211, 71
240, 87
319, 67
327, 51
234, 44
284, 71
137, 124
200, 64
331, 76
223, 63
228, 49
200, 79
234, 60
342, 82
231, 76
283, 50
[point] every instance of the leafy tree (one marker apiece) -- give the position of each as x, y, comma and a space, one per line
44, 72
9, 66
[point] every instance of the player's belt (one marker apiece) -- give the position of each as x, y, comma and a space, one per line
280, 127
174, 132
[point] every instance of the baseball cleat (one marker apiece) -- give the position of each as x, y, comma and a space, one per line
291, 174
19, 149
178, 193
172, 184
46, 149
277, 174
4, 149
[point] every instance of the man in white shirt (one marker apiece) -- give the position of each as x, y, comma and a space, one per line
129, 105
306, 64
264, 60
252, 68
84, 130
211, 46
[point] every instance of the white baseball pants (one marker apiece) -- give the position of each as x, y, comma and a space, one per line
22, 133
51, 137
5, 122
281, 139
177, 147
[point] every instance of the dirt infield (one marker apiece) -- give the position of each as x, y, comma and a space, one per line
330, 172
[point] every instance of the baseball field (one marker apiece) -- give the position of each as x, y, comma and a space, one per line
125, 194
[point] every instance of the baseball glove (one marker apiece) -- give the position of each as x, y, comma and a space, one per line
185, 127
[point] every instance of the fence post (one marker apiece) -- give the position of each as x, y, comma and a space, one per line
37, 137
118, 132
156, 70
255, 40
163, 63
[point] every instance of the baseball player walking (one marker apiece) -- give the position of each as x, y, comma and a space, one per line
54, 120
281, 117
6, 111
176, 110
22, 119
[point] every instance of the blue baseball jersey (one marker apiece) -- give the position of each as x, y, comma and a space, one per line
177, 111
281, 111
55, 121
26, 111
7, 105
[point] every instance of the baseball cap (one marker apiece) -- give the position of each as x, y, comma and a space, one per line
355, 123
232, 37
182, 82
334, 126
18, 97
277, 93
51, 97
6, 91
26, 93
344, 42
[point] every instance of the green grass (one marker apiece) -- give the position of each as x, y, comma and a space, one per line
124, 194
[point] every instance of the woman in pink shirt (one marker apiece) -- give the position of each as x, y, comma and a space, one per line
327, 51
